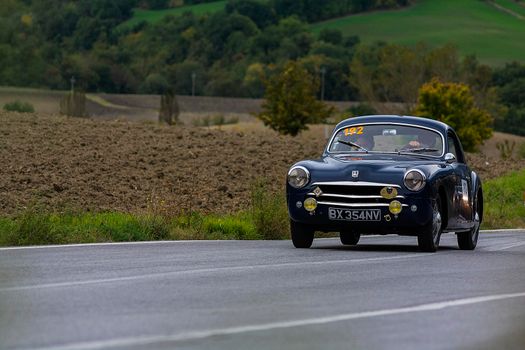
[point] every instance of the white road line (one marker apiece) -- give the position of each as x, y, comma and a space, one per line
513, 230
498, 248
197, 335
192, 241
213, 270
116, 244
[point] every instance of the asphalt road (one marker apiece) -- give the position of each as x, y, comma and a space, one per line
382, 294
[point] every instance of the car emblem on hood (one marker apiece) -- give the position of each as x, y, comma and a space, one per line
355, 174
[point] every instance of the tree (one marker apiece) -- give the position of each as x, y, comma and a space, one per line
453, 103
291, 101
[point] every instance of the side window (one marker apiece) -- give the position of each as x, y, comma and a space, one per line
454, 148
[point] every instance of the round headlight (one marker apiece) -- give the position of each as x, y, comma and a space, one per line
298, 177
414, 180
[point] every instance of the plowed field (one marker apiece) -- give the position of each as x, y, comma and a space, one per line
80, 164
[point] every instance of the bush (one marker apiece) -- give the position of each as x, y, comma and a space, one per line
269, 213
504, 205
453, 103
291, 101
32, 228
521, 150
218, 120
19, 106
506, 149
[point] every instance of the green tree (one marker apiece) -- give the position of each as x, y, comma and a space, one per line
453, 103
291, 101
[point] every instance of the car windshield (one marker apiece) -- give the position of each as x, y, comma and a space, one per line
387, 138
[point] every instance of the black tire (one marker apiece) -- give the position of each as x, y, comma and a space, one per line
469, 239
428, 241
302, 235
349, 238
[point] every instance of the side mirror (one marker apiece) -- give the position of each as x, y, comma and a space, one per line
450, 158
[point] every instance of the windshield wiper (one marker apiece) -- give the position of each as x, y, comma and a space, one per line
420, 150
351, 144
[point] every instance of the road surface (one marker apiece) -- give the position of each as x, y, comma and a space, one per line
382, 294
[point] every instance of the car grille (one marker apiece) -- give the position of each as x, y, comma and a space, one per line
353, 194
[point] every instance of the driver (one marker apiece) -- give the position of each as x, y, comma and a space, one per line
424, 140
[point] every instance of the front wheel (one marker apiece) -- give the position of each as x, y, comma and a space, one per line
349, 238
302, 235
469, 239
428, 241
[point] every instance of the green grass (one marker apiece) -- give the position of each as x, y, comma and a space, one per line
152, 16
34, 228
512, 5
266, 219
475, 26
19, 106
504, 205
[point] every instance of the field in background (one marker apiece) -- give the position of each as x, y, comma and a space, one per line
84, 164
145, 107
494, 31
152, 16
70, 180
475, 27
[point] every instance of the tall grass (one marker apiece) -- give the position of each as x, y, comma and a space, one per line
269, 213
266, 219
504, 198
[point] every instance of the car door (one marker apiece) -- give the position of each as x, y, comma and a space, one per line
462, 179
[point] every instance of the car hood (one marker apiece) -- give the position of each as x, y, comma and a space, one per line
370, 168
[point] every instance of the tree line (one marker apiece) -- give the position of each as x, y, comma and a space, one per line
231, 52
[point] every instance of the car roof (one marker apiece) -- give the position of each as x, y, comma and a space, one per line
417, 121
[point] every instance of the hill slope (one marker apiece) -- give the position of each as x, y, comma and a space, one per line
152, 16
476, 27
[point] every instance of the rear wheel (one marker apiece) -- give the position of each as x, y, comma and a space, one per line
349, 238
302, 235
469, 239
428, 241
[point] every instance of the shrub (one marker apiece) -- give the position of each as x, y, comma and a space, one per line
506, 149
33, 228
291, 101
521, 150
453, 104
19, 106
169, 108
218, 120
269, 212
74, 104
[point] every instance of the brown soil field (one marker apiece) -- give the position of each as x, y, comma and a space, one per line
145, 107
60, 163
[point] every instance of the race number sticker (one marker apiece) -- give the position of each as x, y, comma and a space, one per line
358, 130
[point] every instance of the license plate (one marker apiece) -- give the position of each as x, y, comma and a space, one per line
354, 214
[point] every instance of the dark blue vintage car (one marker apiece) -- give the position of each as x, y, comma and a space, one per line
387, 175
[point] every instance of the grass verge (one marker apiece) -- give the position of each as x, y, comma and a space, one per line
266, 219
504, 198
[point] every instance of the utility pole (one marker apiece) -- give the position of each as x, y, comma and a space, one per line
73, 80
323, 72
193, 77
